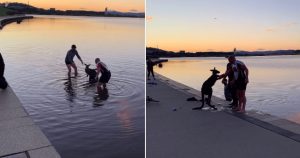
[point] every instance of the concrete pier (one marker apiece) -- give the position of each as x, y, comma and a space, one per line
19, 136
10, 19
175, 130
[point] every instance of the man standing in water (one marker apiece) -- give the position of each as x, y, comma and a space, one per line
69, 60
105, 74
240, 74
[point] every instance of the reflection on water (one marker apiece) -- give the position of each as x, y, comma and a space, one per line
79, 122
273, 87
71, 94
101, 96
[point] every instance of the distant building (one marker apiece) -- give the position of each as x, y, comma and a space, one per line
106, 11
182, 51
52, 9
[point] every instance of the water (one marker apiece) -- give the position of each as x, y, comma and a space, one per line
78, 122
273, 87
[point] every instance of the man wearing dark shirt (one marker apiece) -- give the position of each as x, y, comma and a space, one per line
232, 87
69, 60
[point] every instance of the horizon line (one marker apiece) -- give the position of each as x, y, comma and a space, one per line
80, 9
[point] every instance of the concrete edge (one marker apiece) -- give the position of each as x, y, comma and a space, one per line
51, 154
11, 19
275, 124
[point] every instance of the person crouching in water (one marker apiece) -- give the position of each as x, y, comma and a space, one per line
105, 74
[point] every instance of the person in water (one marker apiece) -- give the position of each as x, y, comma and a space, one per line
105, 74
69, 60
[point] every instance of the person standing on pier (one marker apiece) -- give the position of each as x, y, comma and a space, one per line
232, 86
3, 83
240, 73
69, 60
150, 65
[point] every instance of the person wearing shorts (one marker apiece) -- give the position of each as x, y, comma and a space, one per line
240, 74
105, 74
69, 60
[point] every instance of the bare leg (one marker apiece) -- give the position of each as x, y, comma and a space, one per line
241, 106
152, 72
244, 100
148, 74
239, 100
99, 87
69, 70
75, 68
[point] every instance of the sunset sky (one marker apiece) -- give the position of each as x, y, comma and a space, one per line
96, 5
221, 25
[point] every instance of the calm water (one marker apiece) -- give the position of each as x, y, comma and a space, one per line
77, 122
273, 87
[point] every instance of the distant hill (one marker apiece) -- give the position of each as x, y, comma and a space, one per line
21, 8
4, 11
157, 53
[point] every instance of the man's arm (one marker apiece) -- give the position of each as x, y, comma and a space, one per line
224, 75
78, 56
244, 67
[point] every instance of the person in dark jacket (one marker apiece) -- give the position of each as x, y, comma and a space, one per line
3, 83
150, 65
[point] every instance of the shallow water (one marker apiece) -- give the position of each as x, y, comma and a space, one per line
78, 122
273, 87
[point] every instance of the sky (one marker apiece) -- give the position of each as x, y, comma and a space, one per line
222, 25
96, 5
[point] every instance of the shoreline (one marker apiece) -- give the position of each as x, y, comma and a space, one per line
19, 135
276, 124
10, 19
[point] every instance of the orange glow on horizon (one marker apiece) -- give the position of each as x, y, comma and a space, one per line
124, 6
190, 41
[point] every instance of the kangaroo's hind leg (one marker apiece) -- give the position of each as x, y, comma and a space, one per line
209, 101
200, 107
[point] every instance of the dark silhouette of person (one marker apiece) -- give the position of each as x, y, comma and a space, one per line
3, 83
69, 60
232, 86
227, 92
105, 74
240, 80
150, 65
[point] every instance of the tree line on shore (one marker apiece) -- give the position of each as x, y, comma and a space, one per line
156, 53
21, 8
